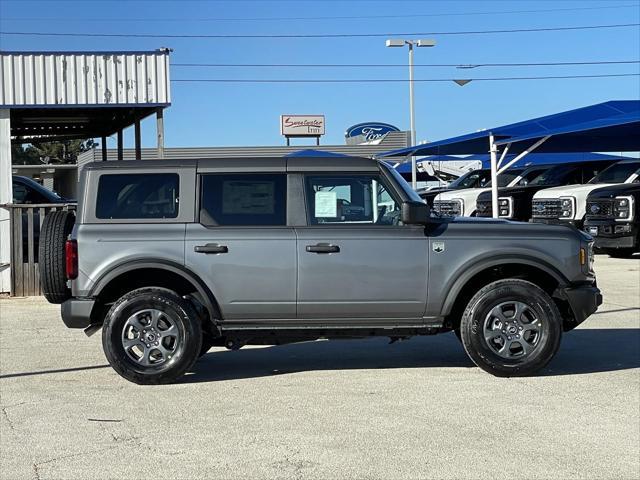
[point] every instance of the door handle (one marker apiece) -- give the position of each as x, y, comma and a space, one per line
211, 248
323, 248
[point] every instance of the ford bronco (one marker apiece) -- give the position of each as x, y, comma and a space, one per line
170, 258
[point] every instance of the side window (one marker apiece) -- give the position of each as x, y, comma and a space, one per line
243, 200
19, 193
123, 196
350, 199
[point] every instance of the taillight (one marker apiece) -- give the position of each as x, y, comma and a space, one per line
71, 257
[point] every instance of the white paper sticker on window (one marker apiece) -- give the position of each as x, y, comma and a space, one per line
326, 205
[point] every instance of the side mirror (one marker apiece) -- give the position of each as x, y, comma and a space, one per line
415, 213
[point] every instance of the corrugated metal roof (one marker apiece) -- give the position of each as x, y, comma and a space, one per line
41, 79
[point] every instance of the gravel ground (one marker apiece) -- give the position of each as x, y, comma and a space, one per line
341, 409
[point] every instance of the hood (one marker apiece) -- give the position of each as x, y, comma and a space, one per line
570, 190
512, 192
465, 193
613, 191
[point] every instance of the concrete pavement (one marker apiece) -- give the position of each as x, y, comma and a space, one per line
341, 409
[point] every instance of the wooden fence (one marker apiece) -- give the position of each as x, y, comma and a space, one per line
26, 221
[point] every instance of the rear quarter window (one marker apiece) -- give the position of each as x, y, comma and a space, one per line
144, 196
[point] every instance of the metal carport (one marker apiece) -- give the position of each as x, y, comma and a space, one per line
49, 96
612, 126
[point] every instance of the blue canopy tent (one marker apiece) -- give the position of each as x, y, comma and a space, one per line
612, 126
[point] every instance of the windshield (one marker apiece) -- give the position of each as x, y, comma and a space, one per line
552, 176
413, 195
506, 178
472, 179
617, 173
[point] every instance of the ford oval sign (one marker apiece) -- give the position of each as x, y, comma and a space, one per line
370, 131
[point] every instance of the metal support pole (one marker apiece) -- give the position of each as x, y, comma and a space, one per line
493, 150
6, 196
103, 147
160, 131
526, 152
137, 140
412, 119
504, 154
120, 144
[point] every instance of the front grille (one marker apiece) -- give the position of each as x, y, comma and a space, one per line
483, 209
599, 209
447, 208
546, 208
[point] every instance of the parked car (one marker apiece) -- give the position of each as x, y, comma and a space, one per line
612, 218
471, 179
567, 204
515, 202
27, 191
462, 203
171, 257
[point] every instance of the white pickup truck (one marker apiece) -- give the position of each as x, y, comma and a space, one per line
567, 204
462, 203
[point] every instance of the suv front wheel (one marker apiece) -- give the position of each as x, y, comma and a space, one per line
151, 336
511, 328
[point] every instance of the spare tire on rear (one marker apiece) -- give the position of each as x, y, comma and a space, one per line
56, 227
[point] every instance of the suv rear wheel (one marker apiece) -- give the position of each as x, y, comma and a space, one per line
151, 336
511, 328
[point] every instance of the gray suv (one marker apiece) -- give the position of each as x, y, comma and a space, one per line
170, 258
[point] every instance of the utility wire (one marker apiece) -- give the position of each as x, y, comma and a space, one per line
393, 80
341, 17
321, 35
395, 65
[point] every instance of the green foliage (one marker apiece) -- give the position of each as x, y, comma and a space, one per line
66, 151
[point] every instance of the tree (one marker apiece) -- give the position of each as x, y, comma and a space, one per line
65, 151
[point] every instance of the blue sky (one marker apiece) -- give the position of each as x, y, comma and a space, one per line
205, 114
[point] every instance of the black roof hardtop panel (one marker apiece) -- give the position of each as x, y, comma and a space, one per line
332, 164
140, 164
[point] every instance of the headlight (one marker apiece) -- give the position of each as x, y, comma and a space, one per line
459, 206
567, 207
587, 258
623, 209
505, 207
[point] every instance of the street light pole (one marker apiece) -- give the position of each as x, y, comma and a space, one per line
412, 116
412, 119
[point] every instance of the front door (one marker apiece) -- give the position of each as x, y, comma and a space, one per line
355, 258
242, 248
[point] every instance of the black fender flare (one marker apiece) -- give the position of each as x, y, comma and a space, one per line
210, 302
495, 261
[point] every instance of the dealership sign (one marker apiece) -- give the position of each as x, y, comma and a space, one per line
302, 125
370, 131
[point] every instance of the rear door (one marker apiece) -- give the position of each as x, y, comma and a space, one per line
356, 261
241, 245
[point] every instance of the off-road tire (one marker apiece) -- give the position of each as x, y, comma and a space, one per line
619, 252
182, 314
478, 311
56, 227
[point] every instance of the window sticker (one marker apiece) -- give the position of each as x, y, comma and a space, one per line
326, 205
244, 197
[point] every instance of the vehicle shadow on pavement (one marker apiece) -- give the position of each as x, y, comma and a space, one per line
582, 351
593, 350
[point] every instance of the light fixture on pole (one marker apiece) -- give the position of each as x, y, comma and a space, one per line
411, 43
